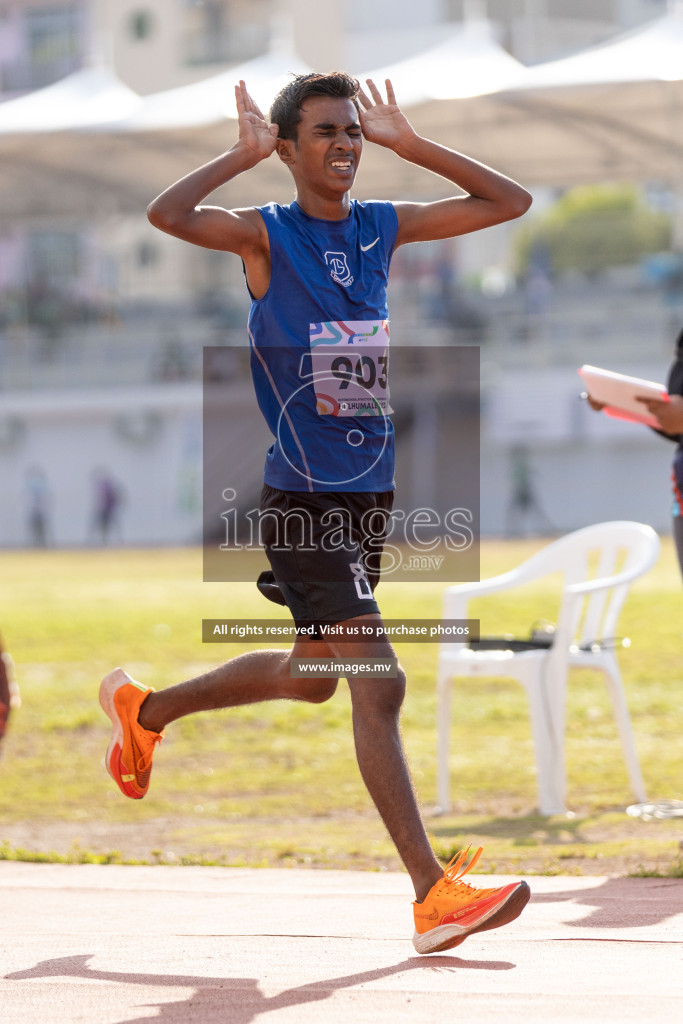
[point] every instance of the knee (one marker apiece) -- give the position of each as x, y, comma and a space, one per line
313, 691
380, 697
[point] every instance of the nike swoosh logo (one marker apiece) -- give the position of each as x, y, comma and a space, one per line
364, 248
428, 917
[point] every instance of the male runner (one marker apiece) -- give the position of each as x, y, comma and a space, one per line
317, 271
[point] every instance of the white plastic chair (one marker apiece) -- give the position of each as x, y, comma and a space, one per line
591, 601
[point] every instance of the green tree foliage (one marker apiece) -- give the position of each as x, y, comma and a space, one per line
592, 227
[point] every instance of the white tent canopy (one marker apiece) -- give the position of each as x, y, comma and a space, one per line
212, 100
95, 99
90, 96
651, 53
611, 112
89, 144
124, 157
469, 62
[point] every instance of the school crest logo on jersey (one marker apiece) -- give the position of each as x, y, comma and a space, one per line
339, 268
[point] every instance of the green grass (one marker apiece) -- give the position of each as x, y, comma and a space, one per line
277, 784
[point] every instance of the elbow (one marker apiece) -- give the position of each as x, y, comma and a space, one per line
165, 219
157, 217
520, 203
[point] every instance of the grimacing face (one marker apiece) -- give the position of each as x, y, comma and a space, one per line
328, 146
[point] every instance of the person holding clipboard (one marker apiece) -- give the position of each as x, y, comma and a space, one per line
665, 415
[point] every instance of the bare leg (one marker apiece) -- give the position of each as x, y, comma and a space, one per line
246, 679
382, 763
265, 675
376, 704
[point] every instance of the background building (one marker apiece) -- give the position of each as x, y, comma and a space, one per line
158, 44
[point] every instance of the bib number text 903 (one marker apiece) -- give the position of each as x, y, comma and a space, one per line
365, 373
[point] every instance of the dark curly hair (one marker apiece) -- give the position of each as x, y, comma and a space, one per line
286, 109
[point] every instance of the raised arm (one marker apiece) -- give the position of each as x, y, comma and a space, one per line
178, 211
490, 198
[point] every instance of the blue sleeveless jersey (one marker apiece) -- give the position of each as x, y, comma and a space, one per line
320, 349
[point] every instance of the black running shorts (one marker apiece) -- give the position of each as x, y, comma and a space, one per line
324, 550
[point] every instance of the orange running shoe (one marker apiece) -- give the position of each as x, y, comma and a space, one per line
452, 909
131, 748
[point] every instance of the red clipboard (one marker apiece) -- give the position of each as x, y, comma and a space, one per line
620, 393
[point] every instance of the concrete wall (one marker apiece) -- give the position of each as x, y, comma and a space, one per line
576, 483
581, 467
148, 440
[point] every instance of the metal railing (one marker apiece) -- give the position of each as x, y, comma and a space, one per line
168, 346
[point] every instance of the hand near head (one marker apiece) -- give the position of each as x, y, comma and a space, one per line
384, 122
254, 131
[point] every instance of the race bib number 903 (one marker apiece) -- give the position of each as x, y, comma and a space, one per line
350, 363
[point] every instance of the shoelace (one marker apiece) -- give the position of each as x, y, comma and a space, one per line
144, 762
459, 866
